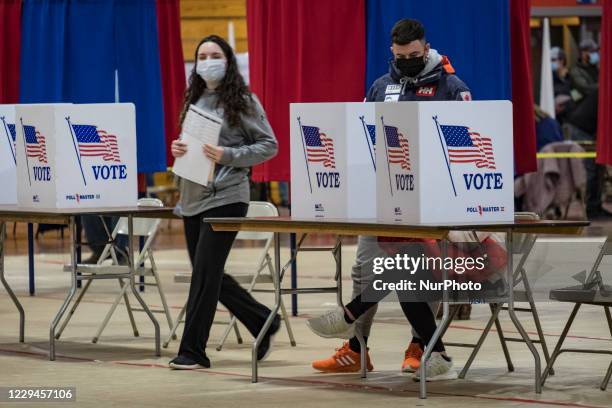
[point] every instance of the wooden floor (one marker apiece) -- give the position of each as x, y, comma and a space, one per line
121, 370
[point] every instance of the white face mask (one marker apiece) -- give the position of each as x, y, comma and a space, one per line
211, 70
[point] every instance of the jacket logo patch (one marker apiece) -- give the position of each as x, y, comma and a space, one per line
466, 95
393, 89
426, 91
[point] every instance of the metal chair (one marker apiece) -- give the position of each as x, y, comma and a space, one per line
592, 292
145, 228
523, 245
258, 272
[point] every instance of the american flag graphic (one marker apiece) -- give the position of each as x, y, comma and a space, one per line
372, 134
13, 133
397, 147
319, 147
467, 146
35, 144
94, 142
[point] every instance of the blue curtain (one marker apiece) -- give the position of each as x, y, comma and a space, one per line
474, 34
90, 47
137, 53
73, 51
43, 37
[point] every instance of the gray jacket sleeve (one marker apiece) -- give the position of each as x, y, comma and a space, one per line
263, 145
582, 82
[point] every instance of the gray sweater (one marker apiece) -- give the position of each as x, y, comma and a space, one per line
247, 145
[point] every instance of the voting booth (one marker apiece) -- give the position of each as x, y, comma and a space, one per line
8, 158
333, 160
445, 162
76, 155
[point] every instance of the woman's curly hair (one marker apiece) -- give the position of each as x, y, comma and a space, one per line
234, 95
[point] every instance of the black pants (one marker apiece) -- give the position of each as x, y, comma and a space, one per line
208, 251
419, 314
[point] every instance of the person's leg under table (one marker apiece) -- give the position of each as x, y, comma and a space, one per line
7, 286
209, 256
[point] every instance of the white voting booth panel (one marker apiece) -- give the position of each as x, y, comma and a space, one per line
333, 160
8, 159
76, 155
445, 162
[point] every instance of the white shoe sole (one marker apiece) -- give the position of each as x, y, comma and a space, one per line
185, 367
408, 371
343, 335
449, 375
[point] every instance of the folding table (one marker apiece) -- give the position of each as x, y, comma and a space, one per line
68, 216
347, 227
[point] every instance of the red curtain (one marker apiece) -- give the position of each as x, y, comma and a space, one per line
604, 122
302, 51
172, 67
522, 93
10, 43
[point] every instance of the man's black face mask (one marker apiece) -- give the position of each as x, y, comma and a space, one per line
410, 67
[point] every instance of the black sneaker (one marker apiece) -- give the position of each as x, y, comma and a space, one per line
266, 344
185, 363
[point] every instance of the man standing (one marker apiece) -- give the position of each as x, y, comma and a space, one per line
417, 72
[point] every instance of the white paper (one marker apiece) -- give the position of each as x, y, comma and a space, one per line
199, 128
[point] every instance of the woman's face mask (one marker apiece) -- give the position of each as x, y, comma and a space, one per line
594, 58
211, 70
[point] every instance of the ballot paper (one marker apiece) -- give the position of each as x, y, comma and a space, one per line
199, 128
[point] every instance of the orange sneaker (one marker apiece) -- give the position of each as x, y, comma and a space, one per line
344, 361
412, 358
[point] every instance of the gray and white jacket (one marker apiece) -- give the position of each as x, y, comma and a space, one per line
251, 143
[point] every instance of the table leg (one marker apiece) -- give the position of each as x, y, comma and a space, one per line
438, 333
6, 285
71, 293
273, 313
514, 317
135, 290
294, 298
79, 251
31, 259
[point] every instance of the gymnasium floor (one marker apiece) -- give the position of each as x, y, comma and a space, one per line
121, 370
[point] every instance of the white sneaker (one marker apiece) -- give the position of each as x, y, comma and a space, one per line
438, 369
331, 325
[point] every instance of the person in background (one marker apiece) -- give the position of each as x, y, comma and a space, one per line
246, 139
561, 84
548, 130
97, 238
584, 77
417, 72
581, 124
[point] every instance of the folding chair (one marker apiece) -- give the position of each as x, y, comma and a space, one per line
591, 292
143, 228
523, 245
256, 273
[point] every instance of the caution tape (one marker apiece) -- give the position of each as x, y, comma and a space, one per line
567, 155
